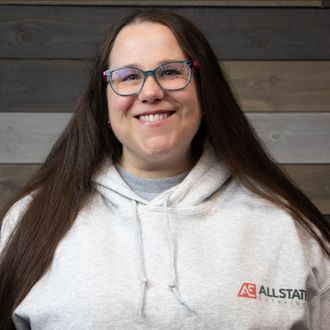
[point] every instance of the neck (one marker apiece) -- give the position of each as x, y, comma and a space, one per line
158, 169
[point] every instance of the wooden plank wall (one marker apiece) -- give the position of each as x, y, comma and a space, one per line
275, 53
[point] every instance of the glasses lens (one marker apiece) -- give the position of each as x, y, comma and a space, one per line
126, 81
174, 76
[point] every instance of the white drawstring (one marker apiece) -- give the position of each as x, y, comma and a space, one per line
142, 277
172, 285
142, 294
179, 298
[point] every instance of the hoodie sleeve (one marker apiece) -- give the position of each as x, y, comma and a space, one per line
325, 310
319, 307
318, 283
11, 220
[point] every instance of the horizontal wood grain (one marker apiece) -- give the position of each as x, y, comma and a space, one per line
246, 3
281, 85
289, 137
294, 137
314, 180
14, 177
41, 85
55, 85
71, 32
28, 137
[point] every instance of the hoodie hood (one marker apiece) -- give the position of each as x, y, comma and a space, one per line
204, 179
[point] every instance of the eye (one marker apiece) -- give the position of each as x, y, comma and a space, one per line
170, 72
132, 76
126, 75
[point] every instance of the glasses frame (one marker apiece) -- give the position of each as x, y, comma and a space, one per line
192, 64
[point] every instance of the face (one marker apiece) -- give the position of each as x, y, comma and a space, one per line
160, 147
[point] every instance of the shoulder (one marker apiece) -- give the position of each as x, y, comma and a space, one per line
12, 218
317, 260
242, 200
291, 234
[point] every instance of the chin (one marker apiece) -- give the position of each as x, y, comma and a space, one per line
157, 146
158, 152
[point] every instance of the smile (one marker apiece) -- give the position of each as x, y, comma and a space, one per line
155, 117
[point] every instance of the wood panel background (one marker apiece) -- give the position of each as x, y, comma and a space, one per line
276, 55
231, 3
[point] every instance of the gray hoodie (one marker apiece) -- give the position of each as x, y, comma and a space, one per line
205, 254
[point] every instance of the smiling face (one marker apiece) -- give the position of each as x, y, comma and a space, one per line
156, 127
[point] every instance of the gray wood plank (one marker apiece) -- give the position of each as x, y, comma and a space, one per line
291, 138
28, 137
235, 33
294, 138
55, 85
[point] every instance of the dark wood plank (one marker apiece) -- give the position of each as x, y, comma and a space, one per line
41, 85
291, 138
13, 177
327, 218
230, 3
314, 180
235, 33
55, 85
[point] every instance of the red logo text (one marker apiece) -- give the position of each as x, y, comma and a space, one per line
248, 290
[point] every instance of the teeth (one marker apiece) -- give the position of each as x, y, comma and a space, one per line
156, 117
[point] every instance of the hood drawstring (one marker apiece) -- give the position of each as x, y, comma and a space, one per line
142, 277
172, 285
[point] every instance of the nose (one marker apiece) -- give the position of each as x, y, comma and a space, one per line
151, 91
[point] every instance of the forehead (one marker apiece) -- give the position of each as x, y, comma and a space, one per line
145, 44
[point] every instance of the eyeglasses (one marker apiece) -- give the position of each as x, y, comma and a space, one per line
170, 76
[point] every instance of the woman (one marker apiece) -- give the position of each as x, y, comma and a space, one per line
158, 209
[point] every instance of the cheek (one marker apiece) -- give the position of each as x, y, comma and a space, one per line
118, 105
191, 99
193, 107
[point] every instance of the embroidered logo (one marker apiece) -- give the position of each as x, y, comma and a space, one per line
283, 296
248, 290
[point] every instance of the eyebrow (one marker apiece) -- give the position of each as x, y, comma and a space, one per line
137, 66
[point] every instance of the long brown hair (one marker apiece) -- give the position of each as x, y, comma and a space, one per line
63, 184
